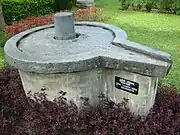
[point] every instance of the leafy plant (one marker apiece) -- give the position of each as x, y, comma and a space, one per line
148, 7
22, 115
125, 4
3, 37
90, 14
176, 6
137, 4
15, 10
165, 4
149, 4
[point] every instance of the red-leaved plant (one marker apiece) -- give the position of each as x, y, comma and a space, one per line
22, 115
90, 14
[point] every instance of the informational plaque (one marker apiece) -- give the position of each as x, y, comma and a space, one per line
126, 85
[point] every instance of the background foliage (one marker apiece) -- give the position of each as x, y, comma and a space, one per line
90, 14
15, 10
3, 37
168, 5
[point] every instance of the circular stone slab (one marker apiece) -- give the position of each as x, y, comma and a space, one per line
97, 45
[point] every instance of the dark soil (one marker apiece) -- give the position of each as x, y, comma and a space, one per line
22, 116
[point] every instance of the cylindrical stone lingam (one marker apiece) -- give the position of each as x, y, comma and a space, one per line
87, 59
64, 26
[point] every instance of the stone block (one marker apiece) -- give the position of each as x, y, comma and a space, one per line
98, 59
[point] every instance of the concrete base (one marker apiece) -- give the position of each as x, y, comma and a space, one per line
84, 3
141, 103
91, 84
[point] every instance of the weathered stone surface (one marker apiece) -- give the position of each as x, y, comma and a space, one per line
91, 84
139, 104
98, 46
88, 64
77, 85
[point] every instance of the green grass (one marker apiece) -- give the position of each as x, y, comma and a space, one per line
1, 49
159, 31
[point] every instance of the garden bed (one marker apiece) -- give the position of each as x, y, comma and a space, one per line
90, 14
21, 115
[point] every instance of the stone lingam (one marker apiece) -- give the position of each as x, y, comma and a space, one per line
87, 59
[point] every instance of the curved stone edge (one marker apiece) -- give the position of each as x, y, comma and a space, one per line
118, 33
121, 39
139, 48
99, 61
88, 64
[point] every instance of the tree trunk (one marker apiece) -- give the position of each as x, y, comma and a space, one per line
2, 22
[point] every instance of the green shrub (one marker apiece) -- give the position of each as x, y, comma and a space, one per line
125, 4
3, 37
63, 4
15, 10
148, 7
169, 5
90, 14
165, 4
137, 4
149, 4
176, 6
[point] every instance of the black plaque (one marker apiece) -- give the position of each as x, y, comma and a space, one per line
126, 85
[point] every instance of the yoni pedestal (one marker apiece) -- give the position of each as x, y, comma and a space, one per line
115, 84
86, 59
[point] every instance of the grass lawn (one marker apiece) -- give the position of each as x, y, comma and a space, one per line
1, 50
159, 31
